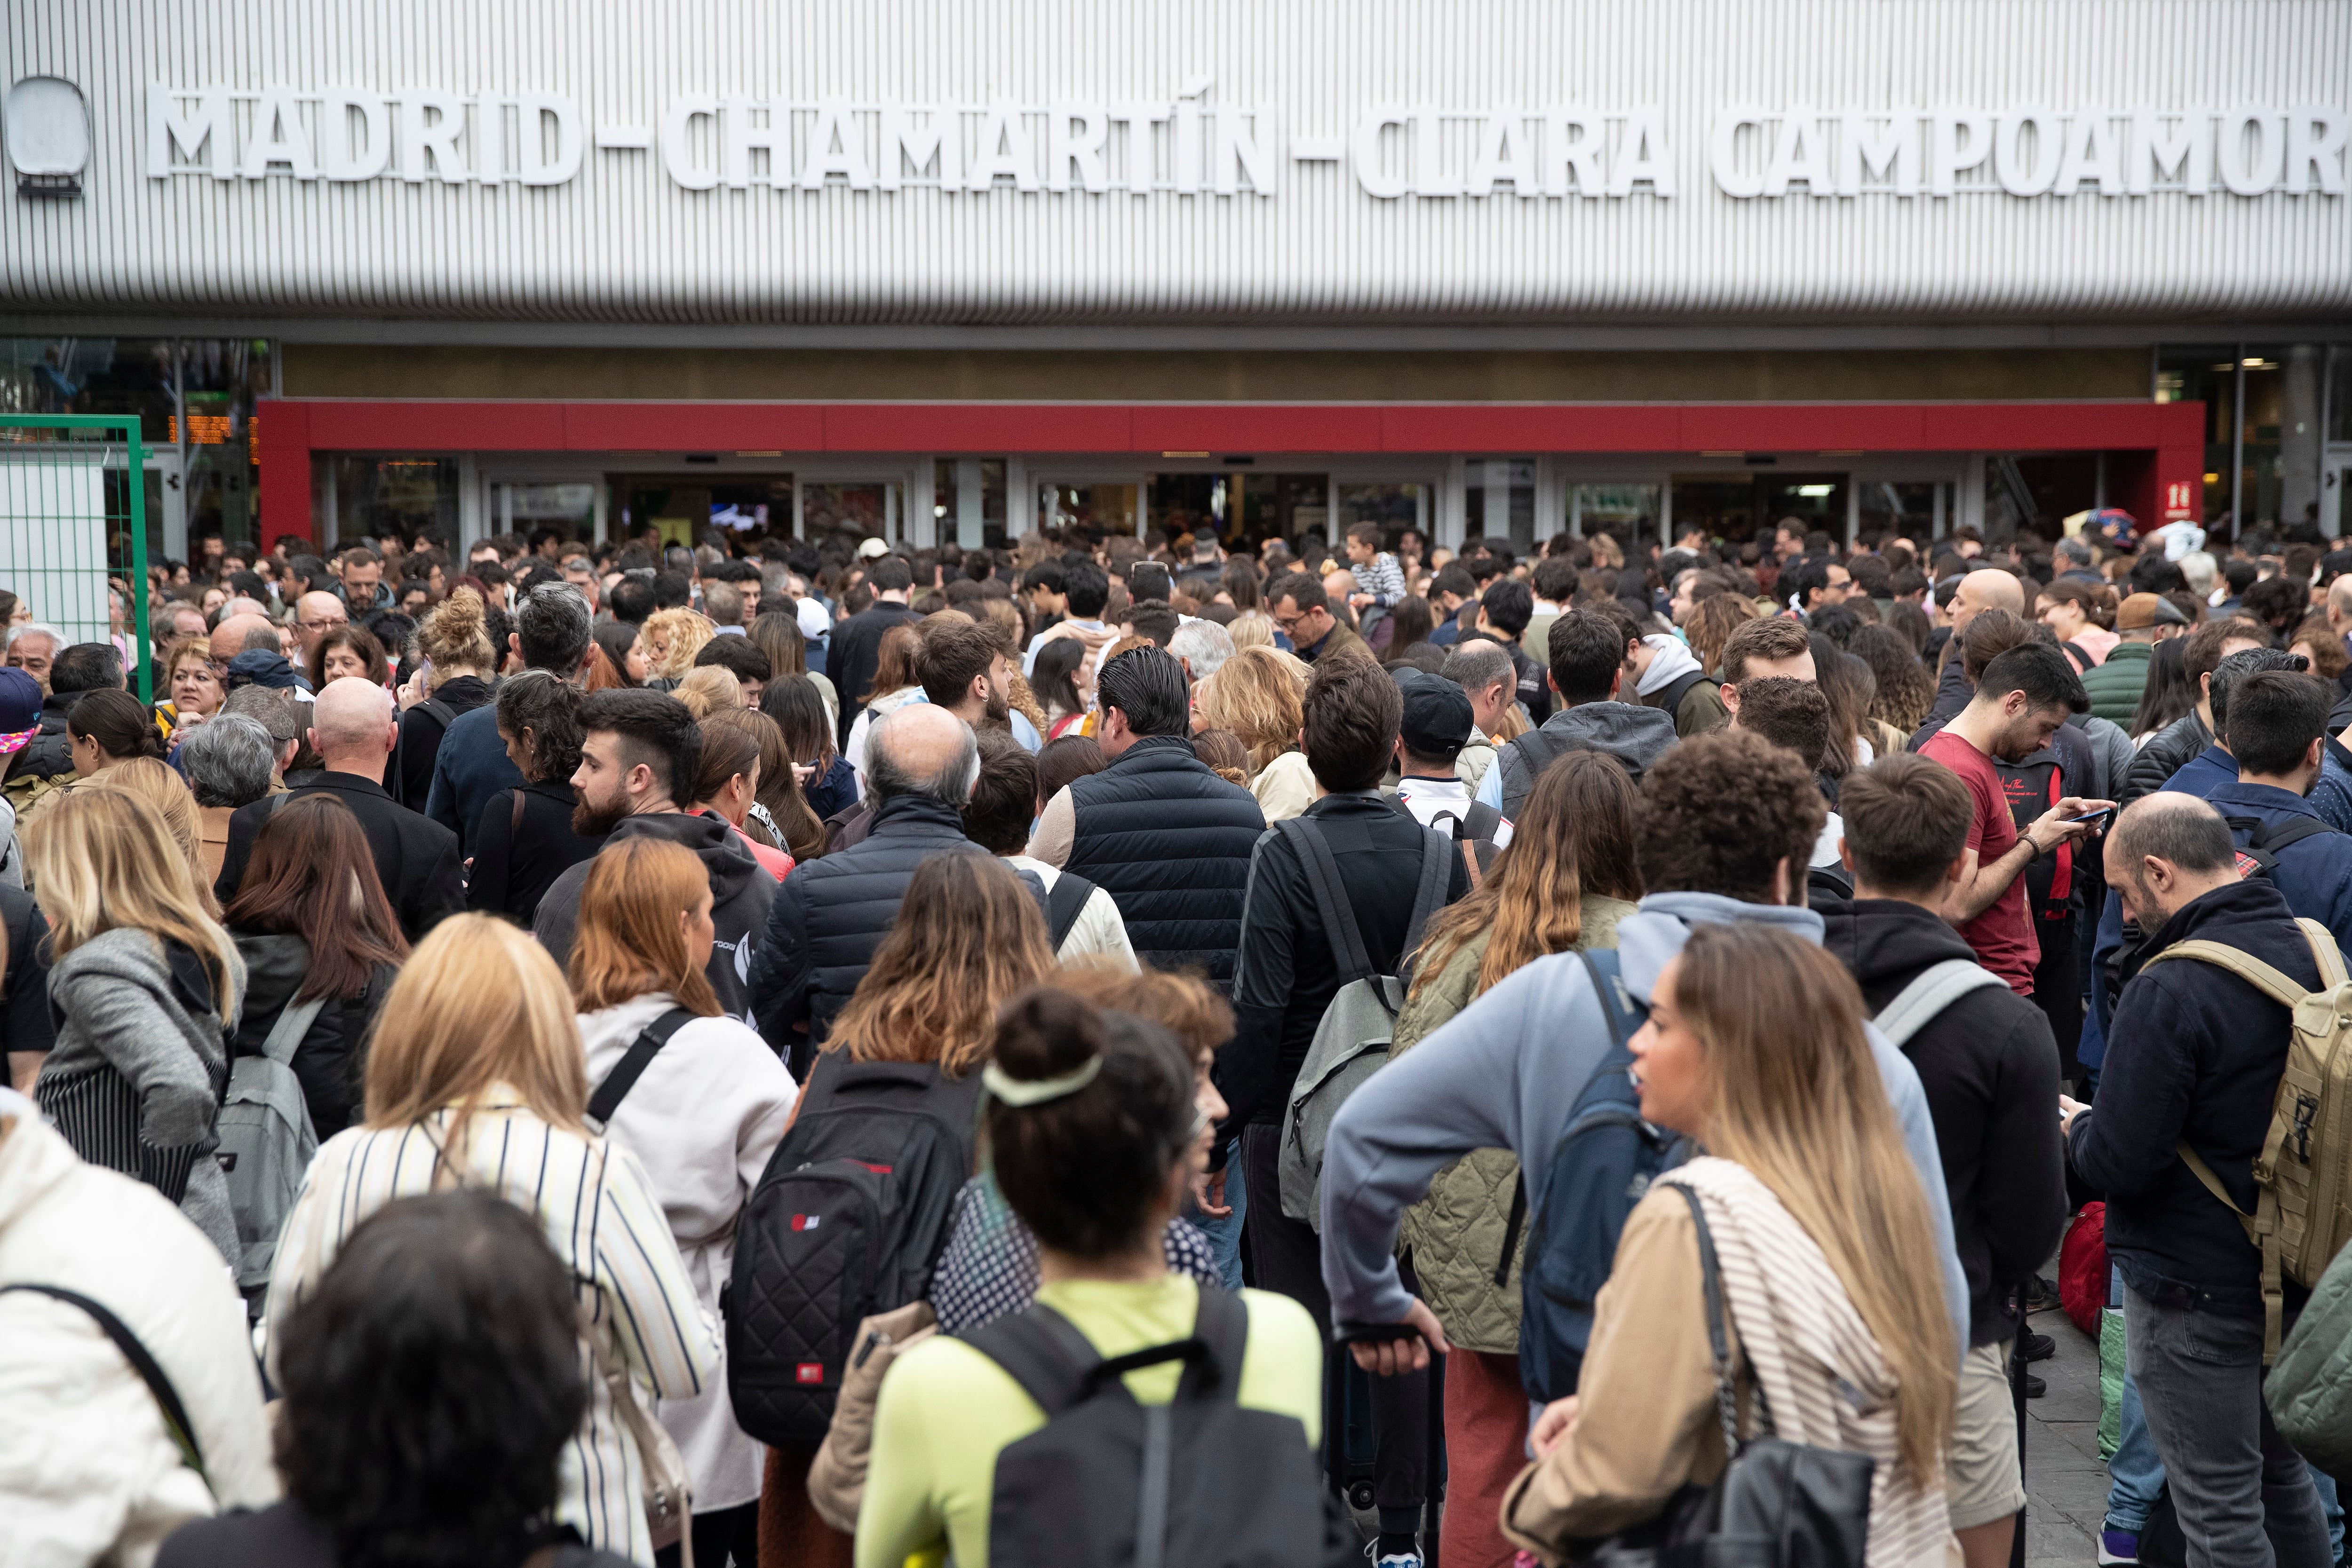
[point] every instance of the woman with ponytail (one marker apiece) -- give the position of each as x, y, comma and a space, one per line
106, 726
1095, 1133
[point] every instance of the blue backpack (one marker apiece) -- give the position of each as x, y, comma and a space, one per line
1601, 1167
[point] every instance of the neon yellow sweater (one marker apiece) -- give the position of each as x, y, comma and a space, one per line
945, 1409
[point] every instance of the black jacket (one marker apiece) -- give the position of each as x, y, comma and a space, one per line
1989, 1067
513, 870
283, 1536
1285, 976
1171, 842
415, 857
410, 776
831, 913
857, 652
834, 913
25, 1021
740, 892
2198, 1058
2166, 753
331, 1057
1953, 693
49, 752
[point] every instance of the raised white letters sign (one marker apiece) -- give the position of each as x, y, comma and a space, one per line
1195, 145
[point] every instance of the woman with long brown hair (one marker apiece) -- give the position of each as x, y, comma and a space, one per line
476, 1078
826, 780
526, 836
143, 984
968, 935
779, 813
702, 1117
1710, 624
727, 784
313, 925
1569, 876
1831, 1286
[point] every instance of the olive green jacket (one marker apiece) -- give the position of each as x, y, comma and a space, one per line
1455, 1234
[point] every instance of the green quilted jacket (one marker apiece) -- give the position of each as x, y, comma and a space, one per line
1454, 1236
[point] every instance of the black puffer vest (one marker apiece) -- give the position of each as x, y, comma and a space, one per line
1171, 842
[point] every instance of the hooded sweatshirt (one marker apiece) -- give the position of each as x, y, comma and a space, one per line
1699, 706
1506, 1073
740, 892
1989, 1068
1635, 736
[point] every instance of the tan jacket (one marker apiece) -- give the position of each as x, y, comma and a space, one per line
1455, 1234
836, 1475
1645, 1419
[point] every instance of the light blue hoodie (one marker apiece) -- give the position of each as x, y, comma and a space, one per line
1506, 1073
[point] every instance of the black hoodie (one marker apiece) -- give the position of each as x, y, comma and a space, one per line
740, 892
1990, 1066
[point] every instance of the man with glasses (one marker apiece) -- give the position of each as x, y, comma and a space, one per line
1303, 611
315, 615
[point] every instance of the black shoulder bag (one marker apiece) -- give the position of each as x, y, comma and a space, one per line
1778, 1504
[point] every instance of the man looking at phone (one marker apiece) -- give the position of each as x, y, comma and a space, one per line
2020, 699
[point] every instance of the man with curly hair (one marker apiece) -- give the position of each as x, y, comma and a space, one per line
1728, 821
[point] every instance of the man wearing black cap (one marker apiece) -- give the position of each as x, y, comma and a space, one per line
1437, 727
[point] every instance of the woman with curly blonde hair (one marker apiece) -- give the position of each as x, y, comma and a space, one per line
672, 637
1712, 621
1257, 695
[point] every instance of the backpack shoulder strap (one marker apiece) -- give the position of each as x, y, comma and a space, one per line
182, 1431
1480, 821
633, 1064
1306, 841
440, 710
293, 1022
1223, 1324
2244, 964
2325, 953
1933, 989
1437, 873
1609, 990
2275, 838
1064, 903
1042, 1351
2204, 1173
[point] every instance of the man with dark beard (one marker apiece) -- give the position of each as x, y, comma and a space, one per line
638, 754
961, 666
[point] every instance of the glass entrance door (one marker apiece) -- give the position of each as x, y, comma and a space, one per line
1736, 508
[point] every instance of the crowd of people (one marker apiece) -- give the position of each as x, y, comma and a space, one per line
841, 1052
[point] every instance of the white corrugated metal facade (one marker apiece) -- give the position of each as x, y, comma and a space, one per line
622, 240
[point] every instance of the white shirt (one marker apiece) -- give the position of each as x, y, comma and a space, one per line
1430, 799
1098, 928
703, 1121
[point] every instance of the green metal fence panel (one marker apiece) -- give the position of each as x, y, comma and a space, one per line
73, 527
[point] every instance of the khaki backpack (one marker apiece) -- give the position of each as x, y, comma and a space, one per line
2303, 1176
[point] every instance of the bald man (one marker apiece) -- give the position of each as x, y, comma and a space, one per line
229, 637
315, 615
1978, 592
353, 728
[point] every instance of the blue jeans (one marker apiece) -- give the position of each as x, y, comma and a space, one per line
2243, 1495
1226, 1235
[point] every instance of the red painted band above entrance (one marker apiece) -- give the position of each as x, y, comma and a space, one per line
1154, 428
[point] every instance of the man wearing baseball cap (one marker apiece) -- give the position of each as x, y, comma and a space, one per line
2142, 622
1437, 725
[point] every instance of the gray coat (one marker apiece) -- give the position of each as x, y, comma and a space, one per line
121, 1009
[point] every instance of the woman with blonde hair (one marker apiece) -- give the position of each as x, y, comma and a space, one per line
144, 983
1819, 1228
476, 1078
703, 1114
1710, 624
166, 790
195, 689
672, 637
1251, 629
708, 689
1569, 876
456, 660
1257, 695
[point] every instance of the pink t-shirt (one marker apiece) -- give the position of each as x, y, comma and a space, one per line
2003, 934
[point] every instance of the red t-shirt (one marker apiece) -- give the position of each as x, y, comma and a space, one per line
2003, 934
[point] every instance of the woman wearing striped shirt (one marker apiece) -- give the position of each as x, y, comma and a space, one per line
476, 1079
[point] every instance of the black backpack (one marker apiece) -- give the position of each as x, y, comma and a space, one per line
1109, 1483
1064, 905
2032, 786
2259, 842
849, 1220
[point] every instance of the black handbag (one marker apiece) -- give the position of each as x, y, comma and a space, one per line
1777, 1505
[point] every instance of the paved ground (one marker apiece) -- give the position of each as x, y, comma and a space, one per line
2065, 1479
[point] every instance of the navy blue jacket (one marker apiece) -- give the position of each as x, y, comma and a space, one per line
2314, 874
831, 913
1171, 842
2197, 1057
471, 765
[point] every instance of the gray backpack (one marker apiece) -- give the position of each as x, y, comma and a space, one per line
1351, 1043
1931, 990
266, 1141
